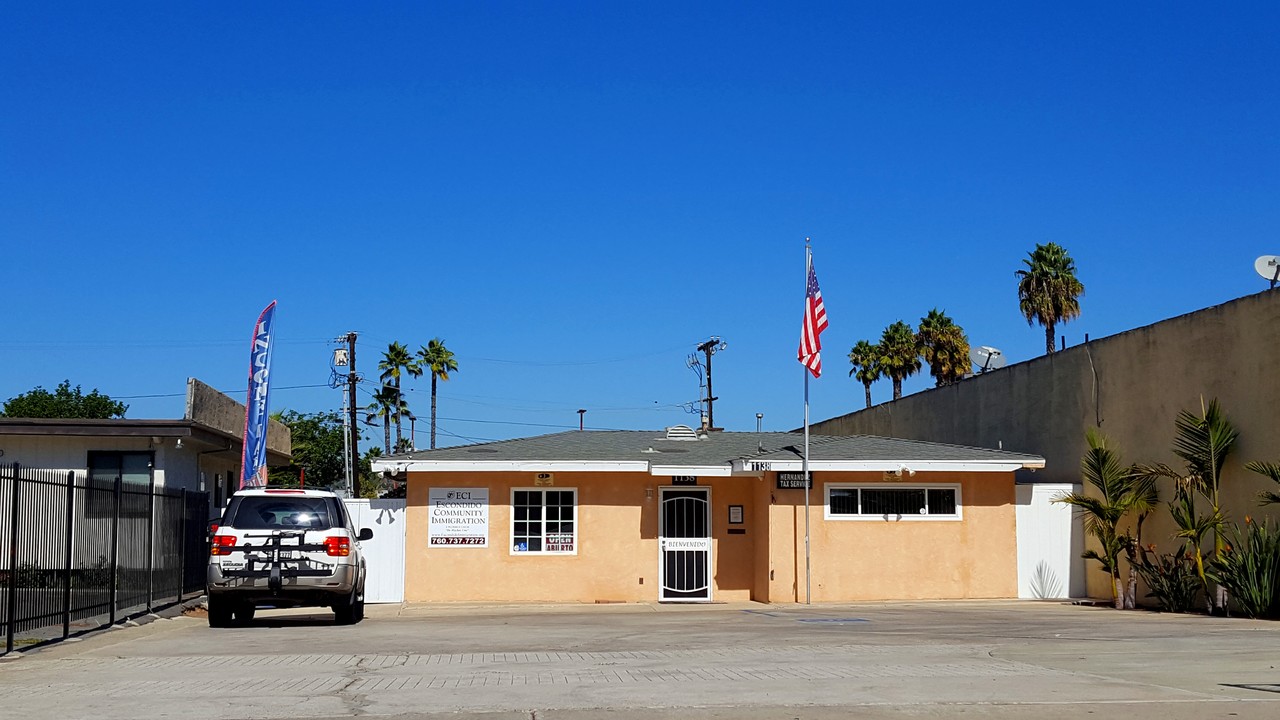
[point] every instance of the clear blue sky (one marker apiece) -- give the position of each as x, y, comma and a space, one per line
573, 195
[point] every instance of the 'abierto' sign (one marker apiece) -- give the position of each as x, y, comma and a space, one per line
458, 517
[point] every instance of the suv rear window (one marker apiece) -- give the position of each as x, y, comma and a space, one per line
258, 512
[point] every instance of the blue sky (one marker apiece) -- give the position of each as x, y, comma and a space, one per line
573, 195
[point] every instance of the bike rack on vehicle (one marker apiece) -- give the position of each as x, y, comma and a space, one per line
277, 557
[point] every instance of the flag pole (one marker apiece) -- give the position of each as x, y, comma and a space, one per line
804, 474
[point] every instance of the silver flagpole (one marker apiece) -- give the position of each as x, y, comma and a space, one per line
804, 474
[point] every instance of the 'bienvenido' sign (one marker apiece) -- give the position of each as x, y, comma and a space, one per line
458, 517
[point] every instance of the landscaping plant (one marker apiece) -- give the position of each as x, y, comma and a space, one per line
1249, 568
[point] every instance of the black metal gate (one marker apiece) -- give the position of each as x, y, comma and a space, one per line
79, 554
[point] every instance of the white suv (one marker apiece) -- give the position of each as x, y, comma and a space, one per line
285, 548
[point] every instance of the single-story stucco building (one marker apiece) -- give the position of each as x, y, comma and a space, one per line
689, 516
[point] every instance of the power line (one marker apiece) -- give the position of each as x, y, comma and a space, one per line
224, 392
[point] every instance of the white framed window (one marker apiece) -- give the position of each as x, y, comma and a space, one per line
893, 502
544, 521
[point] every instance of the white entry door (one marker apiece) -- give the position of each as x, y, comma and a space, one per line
684, 545
384, 554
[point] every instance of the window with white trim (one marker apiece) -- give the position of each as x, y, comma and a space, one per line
544, 522
893, 502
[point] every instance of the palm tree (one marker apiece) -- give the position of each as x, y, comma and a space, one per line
865, 359
1203, 442
1271, 470
1103, 512
944, 346
1048, 290
439, 361
899, 356
385, 404
396, 361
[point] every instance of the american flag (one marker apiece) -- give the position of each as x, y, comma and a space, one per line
815, 321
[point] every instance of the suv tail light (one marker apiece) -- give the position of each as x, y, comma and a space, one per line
337, 546
222, 544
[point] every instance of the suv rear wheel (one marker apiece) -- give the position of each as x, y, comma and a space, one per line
344, 611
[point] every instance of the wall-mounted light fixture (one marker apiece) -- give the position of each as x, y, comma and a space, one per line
178, 445
648, 493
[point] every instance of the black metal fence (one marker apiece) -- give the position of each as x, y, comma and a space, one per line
80, 554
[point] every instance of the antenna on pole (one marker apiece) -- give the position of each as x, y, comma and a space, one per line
987, 358
1268, 266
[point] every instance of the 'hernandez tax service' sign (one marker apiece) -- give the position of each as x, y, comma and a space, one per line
458, 517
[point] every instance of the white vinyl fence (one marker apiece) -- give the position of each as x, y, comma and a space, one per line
1050, 540
384, 554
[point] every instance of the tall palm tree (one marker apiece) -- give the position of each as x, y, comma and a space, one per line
944, 346
865, 359
899, 356
1048, 289
1103, 511
398, 361
435, 358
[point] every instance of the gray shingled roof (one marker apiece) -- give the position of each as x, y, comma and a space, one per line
716, 449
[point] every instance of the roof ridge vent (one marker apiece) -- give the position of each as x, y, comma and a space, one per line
681, 432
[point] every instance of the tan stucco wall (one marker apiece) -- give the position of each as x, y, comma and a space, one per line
617, 558
975, 557
1132, 386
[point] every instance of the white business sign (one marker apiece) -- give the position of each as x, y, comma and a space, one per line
458, 517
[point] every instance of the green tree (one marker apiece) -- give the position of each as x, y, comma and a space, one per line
1103, 511
944, 346
865, 359
1203, 442
435, 358
899, 354
64, 402
1048, 289
396, 362
318, 449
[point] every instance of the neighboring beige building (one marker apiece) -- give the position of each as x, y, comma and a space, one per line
200, 452
1131, 386
679, 516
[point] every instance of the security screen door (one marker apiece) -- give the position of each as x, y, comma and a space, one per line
684, 544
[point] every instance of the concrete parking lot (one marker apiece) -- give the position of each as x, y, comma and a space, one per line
893, 660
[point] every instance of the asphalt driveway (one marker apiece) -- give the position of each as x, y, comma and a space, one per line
943, 659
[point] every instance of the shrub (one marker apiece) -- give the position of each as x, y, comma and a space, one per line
1171, 579
1249, 568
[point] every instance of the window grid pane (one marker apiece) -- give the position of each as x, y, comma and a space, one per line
542, 521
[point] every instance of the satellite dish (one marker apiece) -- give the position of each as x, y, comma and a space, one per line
1268, 266
987, 358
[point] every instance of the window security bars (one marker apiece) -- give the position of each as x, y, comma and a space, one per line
77, 553
893, 502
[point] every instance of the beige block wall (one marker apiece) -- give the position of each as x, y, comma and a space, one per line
1131, 386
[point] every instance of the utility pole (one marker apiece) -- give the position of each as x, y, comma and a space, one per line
711, 347
581, 414
354, 440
